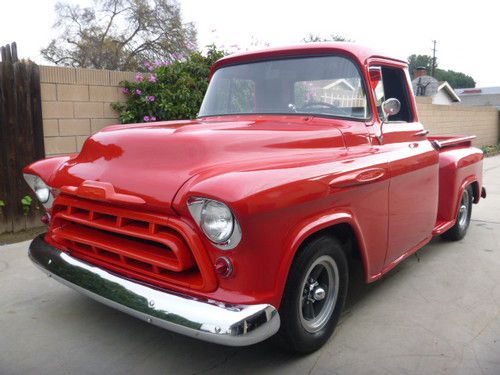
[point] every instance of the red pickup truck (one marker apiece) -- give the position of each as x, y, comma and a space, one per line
244, 222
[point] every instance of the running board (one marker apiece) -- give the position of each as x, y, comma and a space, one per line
442, 226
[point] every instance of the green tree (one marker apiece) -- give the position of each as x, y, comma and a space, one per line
455, 79
171, 91
417, 61
119, 34
313, 38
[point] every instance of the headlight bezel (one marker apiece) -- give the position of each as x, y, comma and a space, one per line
196, 205
40, 188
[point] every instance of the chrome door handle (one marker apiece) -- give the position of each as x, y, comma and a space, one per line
421, 133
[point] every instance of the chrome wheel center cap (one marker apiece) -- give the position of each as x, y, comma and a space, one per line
319, 294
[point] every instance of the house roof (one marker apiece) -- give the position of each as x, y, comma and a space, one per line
479, 91
338, 82
443, 85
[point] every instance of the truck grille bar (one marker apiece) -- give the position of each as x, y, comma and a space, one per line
143, 246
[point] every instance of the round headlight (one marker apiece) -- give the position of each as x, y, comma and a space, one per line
43, 194
41, 190
217, 221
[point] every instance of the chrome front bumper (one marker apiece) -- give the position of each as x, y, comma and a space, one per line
234, 325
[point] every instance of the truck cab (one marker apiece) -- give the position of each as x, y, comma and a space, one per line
241, 224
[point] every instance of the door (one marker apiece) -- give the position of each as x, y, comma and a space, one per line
413, 166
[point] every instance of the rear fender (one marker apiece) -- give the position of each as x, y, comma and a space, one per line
458, 168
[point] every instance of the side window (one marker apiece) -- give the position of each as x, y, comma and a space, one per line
393, 85
379, 96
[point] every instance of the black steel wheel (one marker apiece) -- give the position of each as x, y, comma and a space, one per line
314, 295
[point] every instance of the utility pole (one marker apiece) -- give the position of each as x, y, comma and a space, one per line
433, 72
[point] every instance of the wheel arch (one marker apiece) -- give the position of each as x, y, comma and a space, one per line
473, 182
476, 190
341, 225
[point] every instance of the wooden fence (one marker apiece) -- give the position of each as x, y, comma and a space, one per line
21, 138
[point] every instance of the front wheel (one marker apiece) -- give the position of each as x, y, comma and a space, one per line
314, 295
459, 230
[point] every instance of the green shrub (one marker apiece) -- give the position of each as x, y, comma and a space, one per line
491, 150
26, 203
170, 91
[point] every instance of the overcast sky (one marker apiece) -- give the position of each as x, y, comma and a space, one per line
468, 35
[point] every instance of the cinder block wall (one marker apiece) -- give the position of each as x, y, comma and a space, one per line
77, 103
484, 122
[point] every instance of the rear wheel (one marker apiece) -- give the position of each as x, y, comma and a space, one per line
459, 230
314, 295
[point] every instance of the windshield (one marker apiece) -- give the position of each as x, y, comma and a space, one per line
327, 85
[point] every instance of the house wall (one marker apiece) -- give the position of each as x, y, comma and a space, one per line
441, 98
460, 120
480, 99
77, 103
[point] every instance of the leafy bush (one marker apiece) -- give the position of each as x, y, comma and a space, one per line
491, 150
26, 203
171, 91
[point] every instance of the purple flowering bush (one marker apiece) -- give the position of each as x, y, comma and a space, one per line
169, 91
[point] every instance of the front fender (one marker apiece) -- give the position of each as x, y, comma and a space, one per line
315, 224
46, 168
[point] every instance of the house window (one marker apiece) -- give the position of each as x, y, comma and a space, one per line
346, 94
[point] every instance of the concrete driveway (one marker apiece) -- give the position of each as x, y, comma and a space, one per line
437, 313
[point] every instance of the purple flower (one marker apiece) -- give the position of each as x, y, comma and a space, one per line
150, 98
148, 65
159, 63
139, 77
152, 78
147, 118
138, 92
126, 91
153, 118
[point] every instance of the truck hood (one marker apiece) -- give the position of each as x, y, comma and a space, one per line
153, 161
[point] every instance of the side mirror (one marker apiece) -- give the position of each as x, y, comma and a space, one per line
391, 107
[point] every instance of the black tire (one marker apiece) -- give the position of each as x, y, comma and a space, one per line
459, 230
303, 330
